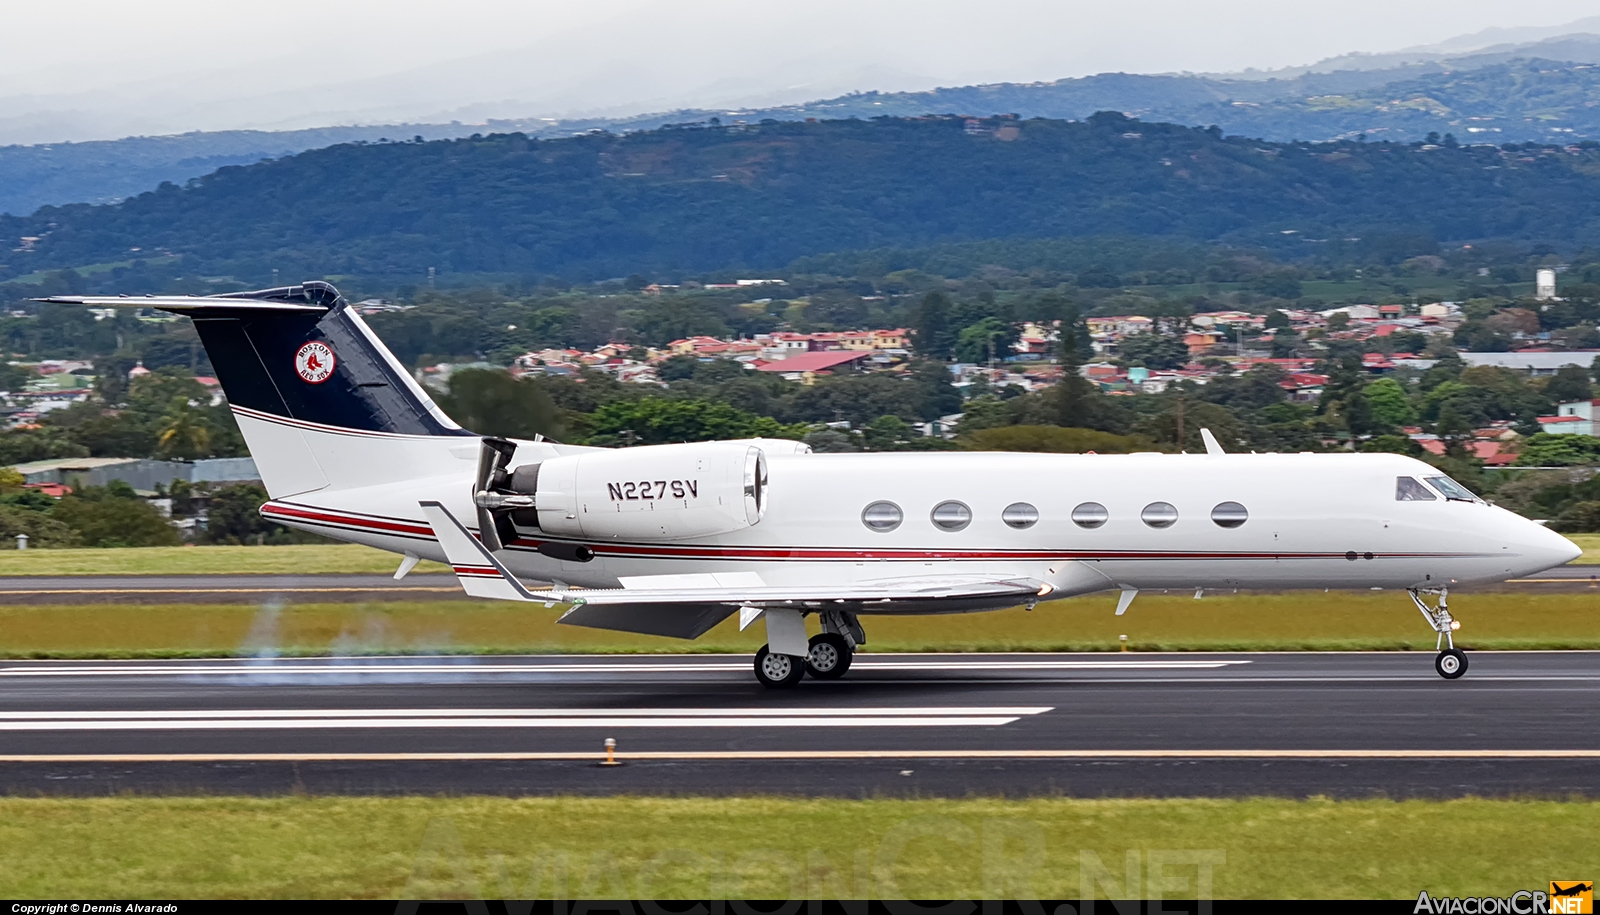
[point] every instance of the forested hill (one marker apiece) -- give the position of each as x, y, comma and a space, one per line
760, 196
1546, 91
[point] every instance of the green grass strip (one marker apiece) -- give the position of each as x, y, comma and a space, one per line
772, 847
297, 559
1362, 620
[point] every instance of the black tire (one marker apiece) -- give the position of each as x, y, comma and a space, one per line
1450, 663
778, 671
829, 656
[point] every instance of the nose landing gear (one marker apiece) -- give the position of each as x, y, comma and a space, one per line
1451, 662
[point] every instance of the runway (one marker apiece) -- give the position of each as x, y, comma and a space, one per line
342, 588
1296, 724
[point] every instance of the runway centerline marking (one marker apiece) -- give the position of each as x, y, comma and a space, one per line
245, 666
749, 755
856, 711
350, 719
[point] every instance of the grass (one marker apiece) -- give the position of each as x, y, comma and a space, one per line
510, 848
206, 560
1172, 622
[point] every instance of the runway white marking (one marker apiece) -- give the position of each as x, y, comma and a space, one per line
854, 711
333, 719
246, 667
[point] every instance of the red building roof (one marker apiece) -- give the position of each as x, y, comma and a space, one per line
812, 362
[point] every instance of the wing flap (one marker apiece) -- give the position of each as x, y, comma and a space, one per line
932, 588
678, 621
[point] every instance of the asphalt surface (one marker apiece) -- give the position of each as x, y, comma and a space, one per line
335, 588
1294, 724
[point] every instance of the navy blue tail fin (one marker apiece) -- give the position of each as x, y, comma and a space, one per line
302, 353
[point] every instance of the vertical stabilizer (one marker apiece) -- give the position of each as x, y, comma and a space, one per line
313, 388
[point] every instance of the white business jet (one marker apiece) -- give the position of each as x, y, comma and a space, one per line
672, 539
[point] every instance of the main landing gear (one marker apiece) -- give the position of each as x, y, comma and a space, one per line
828, 653
1451, 662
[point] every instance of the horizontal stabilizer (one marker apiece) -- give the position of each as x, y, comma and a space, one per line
182, 304
480, 573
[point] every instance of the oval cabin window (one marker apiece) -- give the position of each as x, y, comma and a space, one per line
1159, 514
1020, 515
1229, 514
951, 516
882, 516
1090, 515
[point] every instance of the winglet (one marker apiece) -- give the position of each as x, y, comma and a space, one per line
1212, 447
480, 573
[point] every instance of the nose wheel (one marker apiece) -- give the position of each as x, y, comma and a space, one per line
1451, 662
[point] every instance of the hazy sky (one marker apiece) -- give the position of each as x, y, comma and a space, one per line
65, 55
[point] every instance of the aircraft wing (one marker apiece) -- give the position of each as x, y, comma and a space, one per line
696, 602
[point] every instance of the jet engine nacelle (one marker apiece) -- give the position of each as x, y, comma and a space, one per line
658, 492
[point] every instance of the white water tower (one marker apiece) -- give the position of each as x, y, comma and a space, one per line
1544, 284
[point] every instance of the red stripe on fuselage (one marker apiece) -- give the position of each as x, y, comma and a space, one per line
643, 551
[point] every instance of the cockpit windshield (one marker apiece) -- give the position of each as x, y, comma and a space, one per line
1452, 490
1407, 489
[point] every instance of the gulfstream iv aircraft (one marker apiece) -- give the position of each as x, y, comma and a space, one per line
673, 539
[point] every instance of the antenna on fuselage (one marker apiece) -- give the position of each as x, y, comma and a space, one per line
1212, 448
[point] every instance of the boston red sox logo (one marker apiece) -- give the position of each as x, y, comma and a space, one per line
314, 362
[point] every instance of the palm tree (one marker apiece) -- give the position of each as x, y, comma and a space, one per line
185, 434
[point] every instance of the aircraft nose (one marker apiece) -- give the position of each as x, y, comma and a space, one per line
1549, 549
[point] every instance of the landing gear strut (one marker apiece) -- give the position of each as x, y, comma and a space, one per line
834, 647
1451, 662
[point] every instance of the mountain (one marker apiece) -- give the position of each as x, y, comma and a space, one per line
1550, 92
756, 197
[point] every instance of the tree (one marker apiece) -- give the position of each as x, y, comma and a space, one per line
937, 394
114, 516
659, 421
1568, 384
234, 517
1285, 344
1190, 416
1071, 394
1388, 404
1547, 450
1051, 439
44, 531
185, 433
931, 336
988, 339
1276, 320
1579, 518
491, 402
1154, 351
